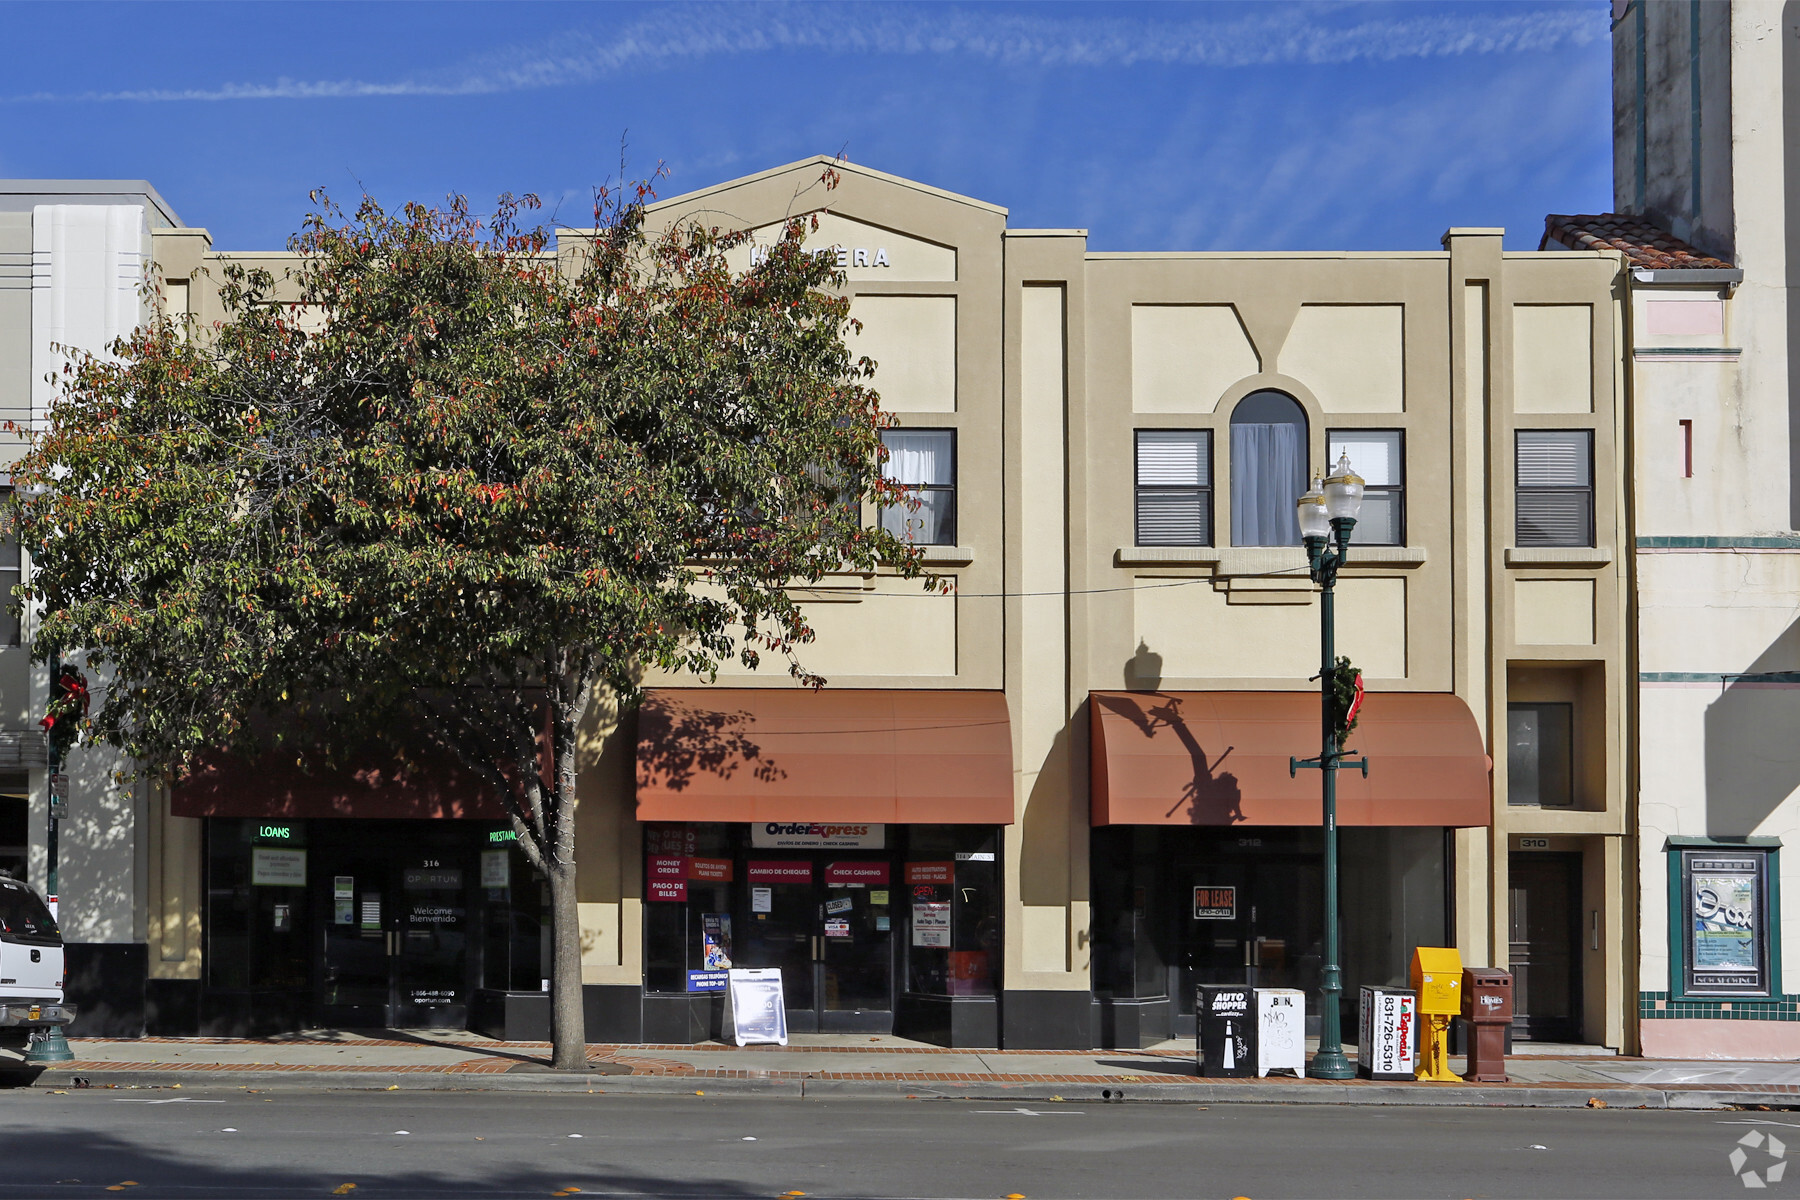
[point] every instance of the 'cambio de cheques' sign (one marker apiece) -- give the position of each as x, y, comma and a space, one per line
817, 835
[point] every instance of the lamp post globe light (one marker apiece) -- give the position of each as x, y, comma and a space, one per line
1328, 513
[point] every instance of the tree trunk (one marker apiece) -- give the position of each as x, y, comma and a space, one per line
568, 1026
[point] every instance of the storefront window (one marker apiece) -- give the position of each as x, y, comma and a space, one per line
952, 883
688, 876
1178, 907
256, 914
1129, 962
515, 930
914, 908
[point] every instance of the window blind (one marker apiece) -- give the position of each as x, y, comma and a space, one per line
1377, 456
1555, 458
1554, 497
1174, 487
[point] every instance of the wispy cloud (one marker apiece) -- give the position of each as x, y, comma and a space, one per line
1271, 35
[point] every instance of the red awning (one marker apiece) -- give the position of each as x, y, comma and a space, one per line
1221, 758
230, 786
891, 756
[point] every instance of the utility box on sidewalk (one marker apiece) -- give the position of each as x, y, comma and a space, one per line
1227, 1041
1388, 1033
1488, 1009
1280, 1031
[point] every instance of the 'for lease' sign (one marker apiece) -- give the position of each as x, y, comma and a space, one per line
1215, 904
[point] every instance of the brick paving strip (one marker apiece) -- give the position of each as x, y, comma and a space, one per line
519, 1065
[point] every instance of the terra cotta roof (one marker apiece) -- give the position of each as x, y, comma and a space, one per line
1644, 244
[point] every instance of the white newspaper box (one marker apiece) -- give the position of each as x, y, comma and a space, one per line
1389, 1033
1280, 1031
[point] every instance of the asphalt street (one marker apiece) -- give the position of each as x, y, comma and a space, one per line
290, 1143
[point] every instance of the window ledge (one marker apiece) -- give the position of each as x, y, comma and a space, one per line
1136, 556
948, 556
1559, 556
1251, 560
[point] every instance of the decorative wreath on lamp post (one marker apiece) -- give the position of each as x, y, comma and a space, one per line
67, 709
1347, 696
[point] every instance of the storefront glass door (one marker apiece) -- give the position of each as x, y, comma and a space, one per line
828, 926
394, 951
856, 960
1263, 927
782, 931
353, 908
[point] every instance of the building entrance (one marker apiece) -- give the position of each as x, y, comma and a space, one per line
826, 921
395, 939
1544, 940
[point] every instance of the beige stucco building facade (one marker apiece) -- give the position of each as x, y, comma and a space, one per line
1058, 371
1039, 810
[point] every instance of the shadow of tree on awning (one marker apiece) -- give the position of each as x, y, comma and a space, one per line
678, 742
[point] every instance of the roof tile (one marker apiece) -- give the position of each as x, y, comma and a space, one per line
1643, 244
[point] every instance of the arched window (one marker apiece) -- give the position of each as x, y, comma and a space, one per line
1268, 469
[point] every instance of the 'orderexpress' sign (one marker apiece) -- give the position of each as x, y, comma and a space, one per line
817, 835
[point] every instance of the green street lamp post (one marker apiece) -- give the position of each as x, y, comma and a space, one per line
68, 704
1327, 515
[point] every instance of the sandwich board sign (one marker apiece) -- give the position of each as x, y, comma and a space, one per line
758, 1008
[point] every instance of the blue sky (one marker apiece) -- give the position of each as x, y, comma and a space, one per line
1220, 126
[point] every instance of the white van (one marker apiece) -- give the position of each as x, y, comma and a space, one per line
31, 967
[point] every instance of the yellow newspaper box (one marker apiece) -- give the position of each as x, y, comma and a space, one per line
1437, 977
1437, 974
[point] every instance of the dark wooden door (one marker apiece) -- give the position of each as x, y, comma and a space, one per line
1544, 922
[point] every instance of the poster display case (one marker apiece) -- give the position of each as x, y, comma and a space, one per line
1723, 911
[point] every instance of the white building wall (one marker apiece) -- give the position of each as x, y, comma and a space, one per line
1717, 491
87, 269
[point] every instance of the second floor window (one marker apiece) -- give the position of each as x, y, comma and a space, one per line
1540, 763
924, 459
1554, 478
1268, 469
1376, 455
1174, 487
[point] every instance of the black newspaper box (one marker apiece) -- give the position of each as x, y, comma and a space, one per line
1227, 1015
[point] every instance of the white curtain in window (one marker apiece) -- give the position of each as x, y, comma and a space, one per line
1268, 473
918, 456
922, 458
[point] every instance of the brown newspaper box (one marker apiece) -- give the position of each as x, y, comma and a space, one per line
1487, 994
1487, 1005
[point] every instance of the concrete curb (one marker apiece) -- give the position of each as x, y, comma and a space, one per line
1101, 1090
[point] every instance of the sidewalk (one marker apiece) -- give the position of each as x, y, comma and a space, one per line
818, 1066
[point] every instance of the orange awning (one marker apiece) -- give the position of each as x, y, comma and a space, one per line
892, 756
1221, 758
